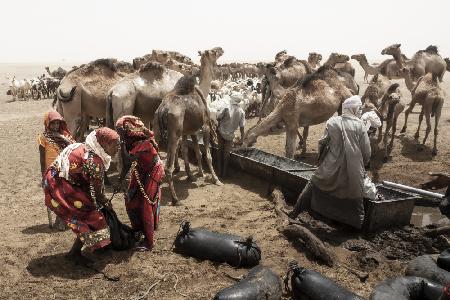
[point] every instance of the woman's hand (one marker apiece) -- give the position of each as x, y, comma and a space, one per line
439, 181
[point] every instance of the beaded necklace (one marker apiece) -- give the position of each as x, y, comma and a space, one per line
141, 186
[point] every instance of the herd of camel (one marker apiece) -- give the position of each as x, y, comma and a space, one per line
161, 88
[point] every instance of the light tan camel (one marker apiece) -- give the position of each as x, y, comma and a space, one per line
389, 109
183, 112
423, 61
82, 93
312, 101
288, 71
340, 63
170, 59
140, 93
368, 69
427, 93
314, 60
335, 59
387, 68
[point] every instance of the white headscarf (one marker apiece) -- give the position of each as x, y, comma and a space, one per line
352, 106
62, 162
93, 145
236, 98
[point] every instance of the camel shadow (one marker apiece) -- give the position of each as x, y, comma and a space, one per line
35, 229
58, 265
413, 150
182, 187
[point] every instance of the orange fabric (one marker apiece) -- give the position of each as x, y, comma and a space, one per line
51, 150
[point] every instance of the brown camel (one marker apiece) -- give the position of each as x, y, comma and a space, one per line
389, 110
183, 112
314, 60
335, 59
447, 61
368, 69
427, 93
289, 71
82, 93
170, 59
58, 73
423, 61
312, 101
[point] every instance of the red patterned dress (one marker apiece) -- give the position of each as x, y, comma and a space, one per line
144, 192
74, 199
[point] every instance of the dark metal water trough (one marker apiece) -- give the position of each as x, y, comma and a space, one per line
394, 210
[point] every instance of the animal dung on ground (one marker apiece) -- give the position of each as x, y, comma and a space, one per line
260, 283
309, 284
218, 247
407, 288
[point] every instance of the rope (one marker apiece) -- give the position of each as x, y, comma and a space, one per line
141, 186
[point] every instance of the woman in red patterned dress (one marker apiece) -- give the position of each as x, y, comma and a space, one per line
74, 189
142, 200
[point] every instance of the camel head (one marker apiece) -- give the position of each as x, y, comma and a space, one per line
249, 139
358, 57
211, 56
160, 56
391, 50
338, 58
137, 62
314, 58
447, 60
280, 56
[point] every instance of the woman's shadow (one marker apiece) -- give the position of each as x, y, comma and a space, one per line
60, 266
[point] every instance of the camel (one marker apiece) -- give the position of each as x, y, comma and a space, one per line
314, 60
389, 110
140, 93
368, 69
82, 93
423, 61
289, 71
312, 101
335, 59
58, 73
427, 93
340, 63
184, 111
170, 59
447, 61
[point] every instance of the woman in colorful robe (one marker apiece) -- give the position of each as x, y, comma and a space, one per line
142, 200
74, 189
52, 141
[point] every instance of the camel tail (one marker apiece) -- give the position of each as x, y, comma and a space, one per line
435, 106
109, 111
64, 98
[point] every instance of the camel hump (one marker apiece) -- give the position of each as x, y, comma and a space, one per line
104, 62
154, 67
432, 49
185, 85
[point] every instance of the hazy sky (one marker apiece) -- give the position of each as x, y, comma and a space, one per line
79, 31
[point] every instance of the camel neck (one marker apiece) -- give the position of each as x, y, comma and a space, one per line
206, 73
365, 64
408, 82
399, 60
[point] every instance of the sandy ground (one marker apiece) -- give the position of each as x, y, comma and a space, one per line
32, 255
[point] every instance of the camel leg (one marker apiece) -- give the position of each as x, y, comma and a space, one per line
437, 116
171, 157
177, 163
206, 143
300, 138
407, 112
305, 137
185, 150
380, 132
198, 155
416, 136
291, 137
385, 139
428, 129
